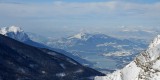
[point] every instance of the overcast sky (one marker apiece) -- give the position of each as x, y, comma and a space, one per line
49, 17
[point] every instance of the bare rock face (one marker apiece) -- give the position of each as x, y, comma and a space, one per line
146, 66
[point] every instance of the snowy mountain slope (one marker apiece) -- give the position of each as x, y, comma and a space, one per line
19, 61
146, 66
88, 49
18, 34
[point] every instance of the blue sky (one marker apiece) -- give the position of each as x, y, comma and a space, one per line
82, 1
69, 16
47, 1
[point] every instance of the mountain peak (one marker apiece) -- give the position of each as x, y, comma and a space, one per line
81, 35
14, 32
13, 29
85, 36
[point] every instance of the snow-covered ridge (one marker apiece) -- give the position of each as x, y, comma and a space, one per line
145, 67
155, 42
14, 32
81, 36
85, 36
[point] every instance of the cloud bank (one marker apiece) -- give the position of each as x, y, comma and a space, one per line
59, 8
61, 16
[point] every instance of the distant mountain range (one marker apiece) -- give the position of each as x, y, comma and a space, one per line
98, 51
97, 43
23, 56
100, 48
24, 62
146, 66
18, 34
